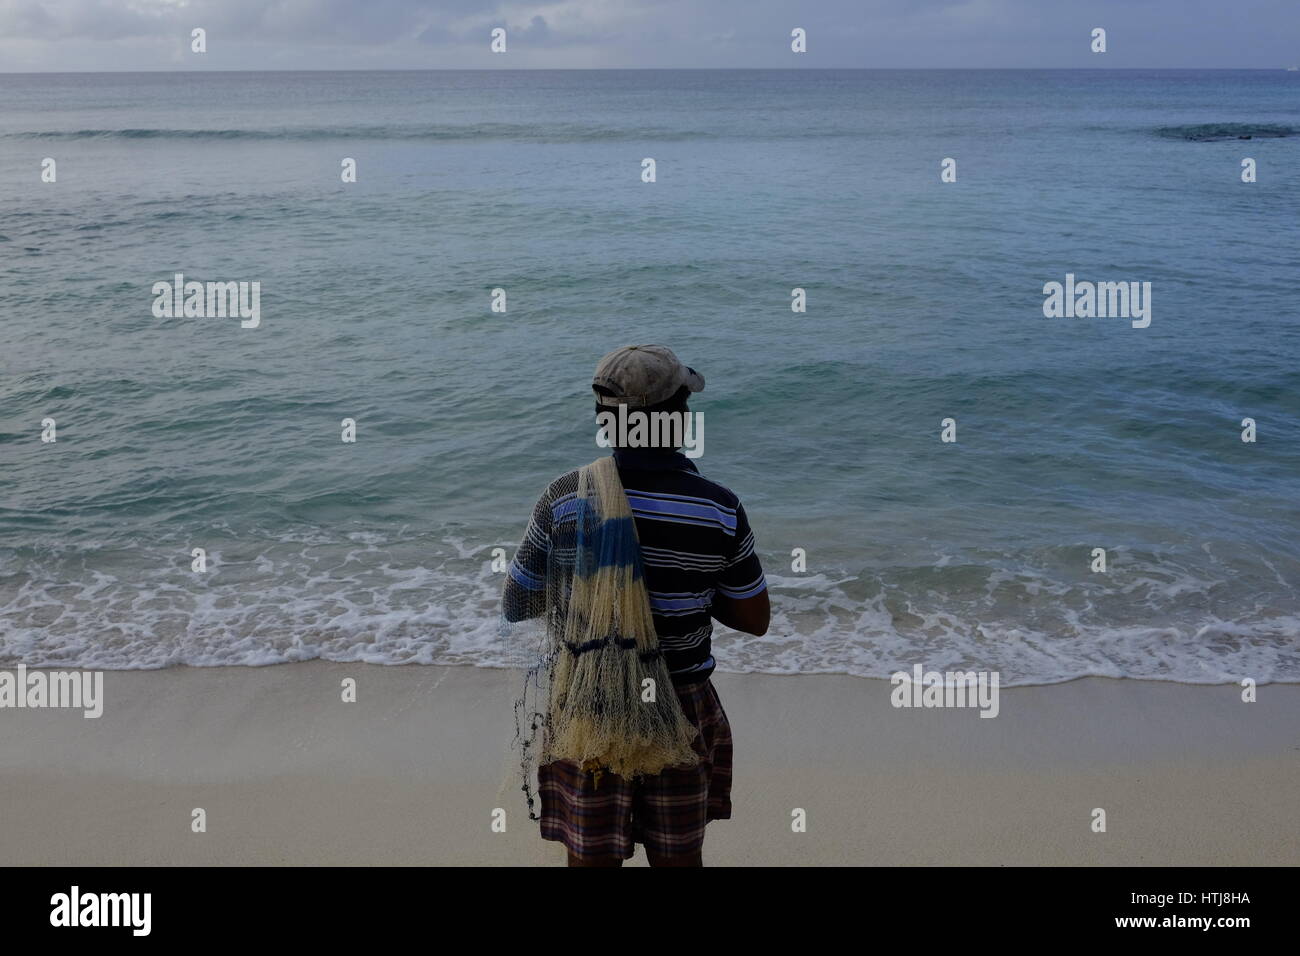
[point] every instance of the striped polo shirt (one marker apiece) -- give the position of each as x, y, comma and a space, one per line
695, 543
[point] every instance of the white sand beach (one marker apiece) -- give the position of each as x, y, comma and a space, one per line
412, 772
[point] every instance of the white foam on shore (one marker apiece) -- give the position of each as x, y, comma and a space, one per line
417, 601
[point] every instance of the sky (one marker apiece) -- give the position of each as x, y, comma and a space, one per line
94, 35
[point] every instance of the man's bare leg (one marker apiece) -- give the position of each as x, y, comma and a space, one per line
677, 859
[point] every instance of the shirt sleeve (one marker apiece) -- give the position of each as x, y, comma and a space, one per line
742, 575
525, 592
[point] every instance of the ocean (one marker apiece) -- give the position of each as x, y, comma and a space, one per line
924, 303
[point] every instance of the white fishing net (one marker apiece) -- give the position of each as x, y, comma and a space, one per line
597, 690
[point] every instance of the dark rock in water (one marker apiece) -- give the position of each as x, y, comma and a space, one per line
1219, 132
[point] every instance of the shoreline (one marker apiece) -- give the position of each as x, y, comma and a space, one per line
183, 666
412, 772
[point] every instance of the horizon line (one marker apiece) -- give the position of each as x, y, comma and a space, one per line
666, 69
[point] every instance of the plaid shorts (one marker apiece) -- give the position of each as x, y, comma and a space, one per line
667, 812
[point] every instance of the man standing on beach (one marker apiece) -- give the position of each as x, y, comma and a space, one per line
694, 557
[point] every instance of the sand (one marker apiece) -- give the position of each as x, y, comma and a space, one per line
411, 773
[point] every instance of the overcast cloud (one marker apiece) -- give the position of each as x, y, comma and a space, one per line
72, 35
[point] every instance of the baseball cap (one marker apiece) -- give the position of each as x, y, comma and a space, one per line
642, 375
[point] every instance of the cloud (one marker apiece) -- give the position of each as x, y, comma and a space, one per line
327, 34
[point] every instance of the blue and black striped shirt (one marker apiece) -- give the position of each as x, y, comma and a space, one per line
695, 543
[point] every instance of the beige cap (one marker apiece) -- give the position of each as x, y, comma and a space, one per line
641, 375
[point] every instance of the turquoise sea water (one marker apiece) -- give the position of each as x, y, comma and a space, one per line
924, 302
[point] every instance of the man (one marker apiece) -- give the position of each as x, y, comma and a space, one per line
698, 564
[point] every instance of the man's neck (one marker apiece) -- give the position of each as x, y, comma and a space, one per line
651, 459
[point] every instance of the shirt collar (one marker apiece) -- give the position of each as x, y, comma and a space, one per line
652, 459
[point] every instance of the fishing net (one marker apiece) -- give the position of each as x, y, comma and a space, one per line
597, 690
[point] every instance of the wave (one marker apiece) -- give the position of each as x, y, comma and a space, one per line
551, 132
429, 599
564, 133
476, 132
1216, 132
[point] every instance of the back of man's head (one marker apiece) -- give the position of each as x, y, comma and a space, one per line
647, 380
